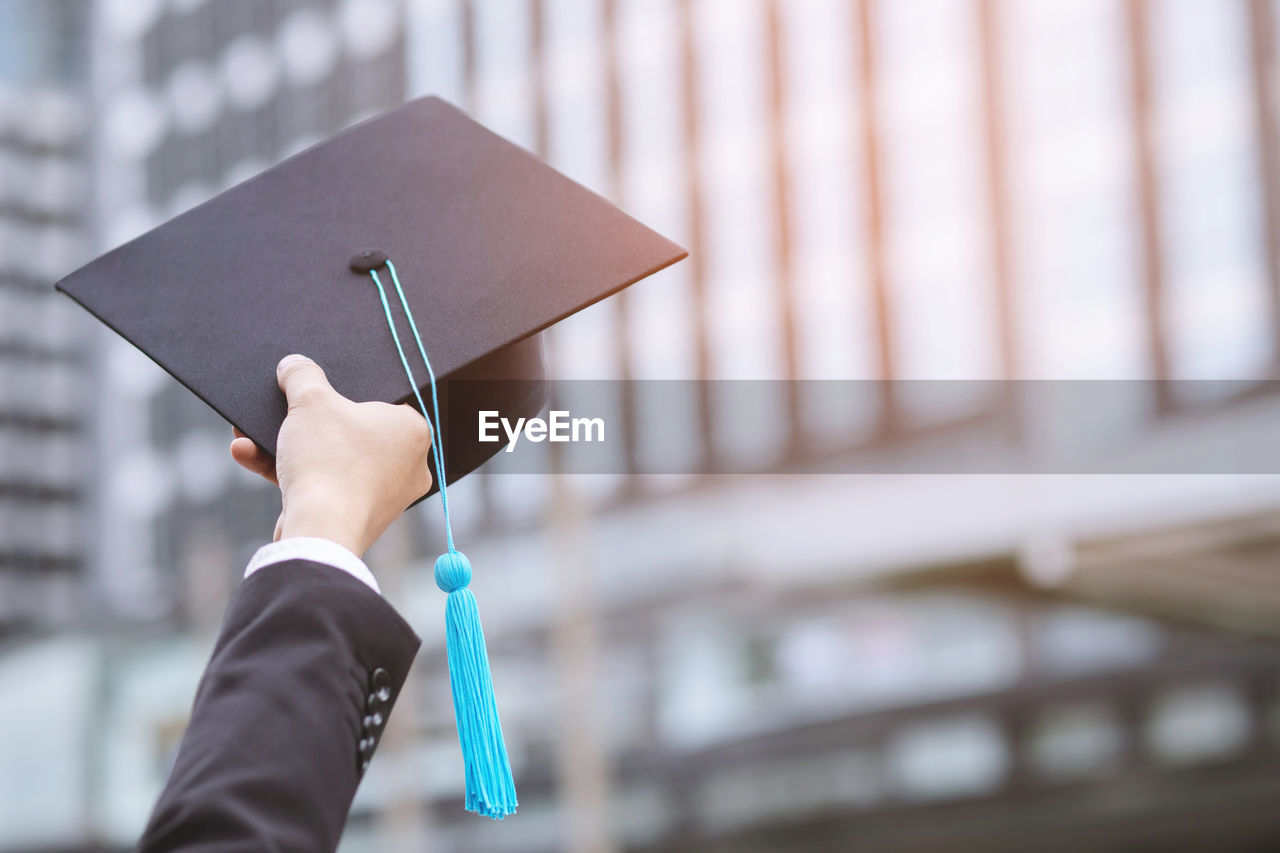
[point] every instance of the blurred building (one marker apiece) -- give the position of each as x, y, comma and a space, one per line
870, 190
45, 403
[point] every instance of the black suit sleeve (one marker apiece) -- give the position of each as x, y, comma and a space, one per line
292, 704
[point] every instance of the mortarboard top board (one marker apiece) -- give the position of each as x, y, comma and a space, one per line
491, 244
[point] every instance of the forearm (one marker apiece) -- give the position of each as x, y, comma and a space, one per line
272, 757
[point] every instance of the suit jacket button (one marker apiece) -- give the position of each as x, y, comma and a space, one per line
381, 684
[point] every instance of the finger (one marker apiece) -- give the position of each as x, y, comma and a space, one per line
414, 421
424, 435
299, 378
253, 458
235, 430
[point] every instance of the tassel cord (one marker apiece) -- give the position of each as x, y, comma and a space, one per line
432, 417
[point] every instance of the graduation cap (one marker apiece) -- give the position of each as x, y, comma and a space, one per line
417, 239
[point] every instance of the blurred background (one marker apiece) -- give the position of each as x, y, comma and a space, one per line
870, 189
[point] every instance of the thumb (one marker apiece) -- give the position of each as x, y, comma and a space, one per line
299, 377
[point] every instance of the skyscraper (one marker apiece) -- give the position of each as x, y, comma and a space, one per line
45, 402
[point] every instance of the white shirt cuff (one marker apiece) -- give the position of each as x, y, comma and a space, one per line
318, 551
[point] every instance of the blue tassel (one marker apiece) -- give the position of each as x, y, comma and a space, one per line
491, 790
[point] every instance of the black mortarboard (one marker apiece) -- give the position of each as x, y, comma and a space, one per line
492, 246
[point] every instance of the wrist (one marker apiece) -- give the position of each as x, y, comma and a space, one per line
322, 518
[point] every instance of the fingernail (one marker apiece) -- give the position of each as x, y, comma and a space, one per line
288, 360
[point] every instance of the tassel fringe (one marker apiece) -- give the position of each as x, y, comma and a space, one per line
491, 790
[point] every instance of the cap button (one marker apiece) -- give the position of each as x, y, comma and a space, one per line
368, 260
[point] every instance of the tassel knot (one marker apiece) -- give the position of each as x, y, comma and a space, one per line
453, 571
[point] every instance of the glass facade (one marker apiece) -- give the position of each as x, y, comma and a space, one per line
45, 401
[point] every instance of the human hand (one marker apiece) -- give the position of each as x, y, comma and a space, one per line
346, 470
